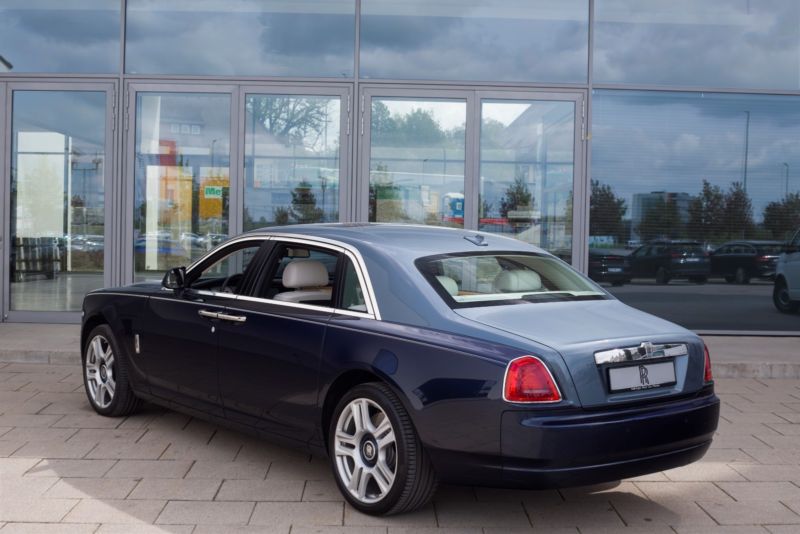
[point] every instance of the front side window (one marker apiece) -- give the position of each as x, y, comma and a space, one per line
225, 273
505, 278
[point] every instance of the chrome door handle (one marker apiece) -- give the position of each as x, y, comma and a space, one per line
210, 315
234, 318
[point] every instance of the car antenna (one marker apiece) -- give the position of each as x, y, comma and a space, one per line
477, 239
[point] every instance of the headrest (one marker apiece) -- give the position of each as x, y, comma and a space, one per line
448, 284
305, 273
517, 281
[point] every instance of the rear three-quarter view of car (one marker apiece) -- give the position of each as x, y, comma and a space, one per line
408, 356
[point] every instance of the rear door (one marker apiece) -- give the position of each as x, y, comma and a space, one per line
271, 342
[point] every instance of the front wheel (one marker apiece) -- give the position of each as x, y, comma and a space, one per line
741, 276
662, 276
377, 458
781, 298
105, 376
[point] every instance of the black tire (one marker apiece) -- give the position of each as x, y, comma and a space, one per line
741, 276
780, 297
414, 480
123, 401
662, 276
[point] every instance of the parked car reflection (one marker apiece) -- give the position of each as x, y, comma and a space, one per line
609, 265
666, 260
740, 261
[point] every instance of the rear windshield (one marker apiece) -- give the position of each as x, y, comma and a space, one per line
465, 280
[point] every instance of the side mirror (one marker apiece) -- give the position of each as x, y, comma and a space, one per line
175, 278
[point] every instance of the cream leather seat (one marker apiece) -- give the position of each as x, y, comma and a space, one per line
517, 281
308, 280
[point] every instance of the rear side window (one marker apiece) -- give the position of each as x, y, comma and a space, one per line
769, 250
352, 292
468, 280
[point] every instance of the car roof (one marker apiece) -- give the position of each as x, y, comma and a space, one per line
404, 241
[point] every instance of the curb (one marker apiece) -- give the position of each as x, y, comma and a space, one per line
779, 370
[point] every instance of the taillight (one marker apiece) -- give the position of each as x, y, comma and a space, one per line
708, 376
676, 255
763, 259
529, 380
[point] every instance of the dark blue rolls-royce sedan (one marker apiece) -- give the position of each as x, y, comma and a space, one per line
408, 356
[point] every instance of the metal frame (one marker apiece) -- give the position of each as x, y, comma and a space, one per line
473, 99
109, 165
341, 91
5, 203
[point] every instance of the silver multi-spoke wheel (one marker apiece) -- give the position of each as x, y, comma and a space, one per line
99, 367
365, 450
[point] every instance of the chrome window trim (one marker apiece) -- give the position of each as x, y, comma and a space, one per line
336, 246
353, 254
630, 354
309, 307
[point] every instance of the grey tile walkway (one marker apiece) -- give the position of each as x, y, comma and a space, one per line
65, 470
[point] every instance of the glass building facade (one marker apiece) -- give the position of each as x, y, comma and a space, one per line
624, 136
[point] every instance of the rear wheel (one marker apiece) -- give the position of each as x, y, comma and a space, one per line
377, 458
662, 276
781, 298
105, 376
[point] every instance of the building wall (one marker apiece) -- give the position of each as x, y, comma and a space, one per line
562, 123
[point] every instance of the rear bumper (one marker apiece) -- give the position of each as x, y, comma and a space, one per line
588, 447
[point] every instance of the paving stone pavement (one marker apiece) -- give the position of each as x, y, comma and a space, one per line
64, 469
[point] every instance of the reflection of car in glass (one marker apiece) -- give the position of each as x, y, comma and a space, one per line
606, 265
786, 291
408, 355
667, 260
739, 261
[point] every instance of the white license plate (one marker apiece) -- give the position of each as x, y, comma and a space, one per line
615, 269
642, 376
692, 260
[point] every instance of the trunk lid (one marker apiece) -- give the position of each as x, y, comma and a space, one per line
577, 330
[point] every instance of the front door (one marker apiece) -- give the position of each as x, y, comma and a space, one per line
180, 333
504, 162
57, 190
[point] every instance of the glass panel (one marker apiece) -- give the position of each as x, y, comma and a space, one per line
701, 177
352, 293
291, 160
182, 173
57, 198
241, 37
495, 40
716, 43
527, 167
226, 274
53, 36
417, 161
302, 275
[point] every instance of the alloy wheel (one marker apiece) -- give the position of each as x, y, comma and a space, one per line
365, 450
99, 369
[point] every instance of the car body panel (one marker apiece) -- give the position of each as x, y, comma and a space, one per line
787, 267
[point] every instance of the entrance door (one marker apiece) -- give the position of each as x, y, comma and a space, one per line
504, 162
57, 181
180, 176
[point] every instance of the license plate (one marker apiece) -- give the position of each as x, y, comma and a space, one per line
615, 269
692, 260
642, 376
